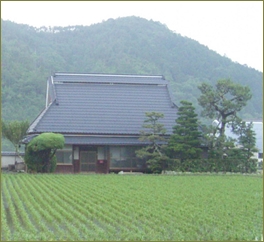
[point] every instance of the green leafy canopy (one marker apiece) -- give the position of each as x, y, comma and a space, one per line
14, 131
46, 141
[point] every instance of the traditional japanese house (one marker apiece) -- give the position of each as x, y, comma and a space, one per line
101, 117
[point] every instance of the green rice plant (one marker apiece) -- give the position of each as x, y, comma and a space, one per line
5, 231
149, 207
21, 209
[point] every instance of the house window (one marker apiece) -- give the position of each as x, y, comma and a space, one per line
64, 155
124, 157
260, 155
101, 153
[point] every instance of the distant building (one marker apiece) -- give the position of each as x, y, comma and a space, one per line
10, 158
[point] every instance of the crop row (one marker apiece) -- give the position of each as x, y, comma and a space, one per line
112, 207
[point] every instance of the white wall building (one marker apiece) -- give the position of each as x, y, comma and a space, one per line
9, 158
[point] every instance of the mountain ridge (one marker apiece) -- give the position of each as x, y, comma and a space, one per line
128, 45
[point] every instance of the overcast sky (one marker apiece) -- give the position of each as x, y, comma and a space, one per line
234, 29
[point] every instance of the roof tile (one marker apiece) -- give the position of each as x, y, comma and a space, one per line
111, 105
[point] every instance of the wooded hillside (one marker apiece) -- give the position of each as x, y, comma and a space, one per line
129, 45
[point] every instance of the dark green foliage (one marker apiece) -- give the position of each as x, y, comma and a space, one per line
40, 152
127, 45
225, 156
185, 142
247, 145
223, 103
235, 164
246, 138
154, 153
36, 162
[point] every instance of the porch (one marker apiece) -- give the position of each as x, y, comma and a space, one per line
99, 159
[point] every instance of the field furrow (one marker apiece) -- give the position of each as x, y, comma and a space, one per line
113, 207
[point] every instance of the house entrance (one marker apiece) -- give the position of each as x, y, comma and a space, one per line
88, 161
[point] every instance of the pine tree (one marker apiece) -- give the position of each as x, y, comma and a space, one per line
247, 143
185, 142
223, 103
154, 153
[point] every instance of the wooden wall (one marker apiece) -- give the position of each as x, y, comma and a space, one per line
64, 168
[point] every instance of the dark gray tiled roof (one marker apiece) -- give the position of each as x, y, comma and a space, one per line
91, 140
116, 106
27, 139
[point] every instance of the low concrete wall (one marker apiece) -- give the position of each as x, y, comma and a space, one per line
9, 158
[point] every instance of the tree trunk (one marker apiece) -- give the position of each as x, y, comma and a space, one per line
47, 161
18, 154
222, 128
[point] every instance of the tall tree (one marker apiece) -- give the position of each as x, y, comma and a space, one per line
14, 131
223, 103
247, 143
154, 134
185, 142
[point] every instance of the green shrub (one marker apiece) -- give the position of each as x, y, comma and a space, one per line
40, 152
214, 165
36, 163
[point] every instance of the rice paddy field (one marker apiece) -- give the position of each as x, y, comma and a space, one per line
85, 207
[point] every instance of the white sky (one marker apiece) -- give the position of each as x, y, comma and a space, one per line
231, 28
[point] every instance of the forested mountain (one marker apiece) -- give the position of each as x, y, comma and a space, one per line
129, 45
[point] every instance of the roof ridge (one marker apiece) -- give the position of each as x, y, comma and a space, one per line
171, 97
104, 74
33, 125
